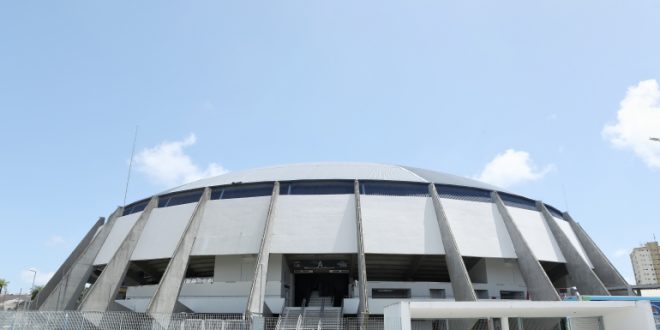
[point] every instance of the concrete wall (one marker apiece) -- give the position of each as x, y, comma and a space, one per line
232, 226
400, 225
418, 290
68, 282
162, 232
638, 318
211, 305
397, 317
503, 275
603, 268
326, 224
314, 224
275, 267
616, 315
377, 306
219, 295
101, 294
216, 289
117, 235
195, 304
537, 234
234, 268
478, 229
207, 304
566, 228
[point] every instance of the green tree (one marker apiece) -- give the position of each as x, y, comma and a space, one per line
3, 284
35, 291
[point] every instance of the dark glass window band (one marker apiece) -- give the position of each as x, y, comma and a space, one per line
185, 197
336, 187
391, 188
463, 193
242, 191
317, 187
555, 213
135, 207
518, 201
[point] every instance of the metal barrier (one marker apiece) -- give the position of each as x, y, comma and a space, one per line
74, 320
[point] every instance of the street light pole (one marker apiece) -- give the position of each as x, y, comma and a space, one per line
34, 277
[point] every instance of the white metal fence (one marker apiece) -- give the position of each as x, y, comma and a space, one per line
73, 320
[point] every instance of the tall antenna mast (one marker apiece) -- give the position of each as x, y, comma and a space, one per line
130, 165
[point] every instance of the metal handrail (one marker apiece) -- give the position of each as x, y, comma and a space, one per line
286, 304
279, 319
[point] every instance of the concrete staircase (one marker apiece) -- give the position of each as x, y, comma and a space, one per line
317, 315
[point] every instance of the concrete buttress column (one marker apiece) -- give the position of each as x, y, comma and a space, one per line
603, 268
256, 299
166, 297
538, 284
458, 273
56, 282
363, 305
67, 290
580, 273
101, 296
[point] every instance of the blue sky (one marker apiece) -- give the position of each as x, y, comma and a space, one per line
515, 92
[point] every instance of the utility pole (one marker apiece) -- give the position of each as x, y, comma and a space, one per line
34, 277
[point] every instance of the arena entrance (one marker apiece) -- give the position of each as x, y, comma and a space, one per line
311, 287
320, 279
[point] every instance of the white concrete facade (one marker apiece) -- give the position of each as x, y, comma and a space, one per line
118, 233
478, 229
314, 224
537, 234
615, 315
400, 225
396, 224
232, 226
162, 232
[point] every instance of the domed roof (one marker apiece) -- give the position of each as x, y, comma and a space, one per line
335, 171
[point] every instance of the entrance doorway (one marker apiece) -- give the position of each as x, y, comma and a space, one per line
314, 285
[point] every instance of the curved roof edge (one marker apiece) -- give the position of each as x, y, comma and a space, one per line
334, 171
451, 179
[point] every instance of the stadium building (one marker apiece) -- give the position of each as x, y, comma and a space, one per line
347, 238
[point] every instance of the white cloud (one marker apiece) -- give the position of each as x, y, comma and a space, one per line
511, 168
55, 240
167, 164
638, 119
41, 278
